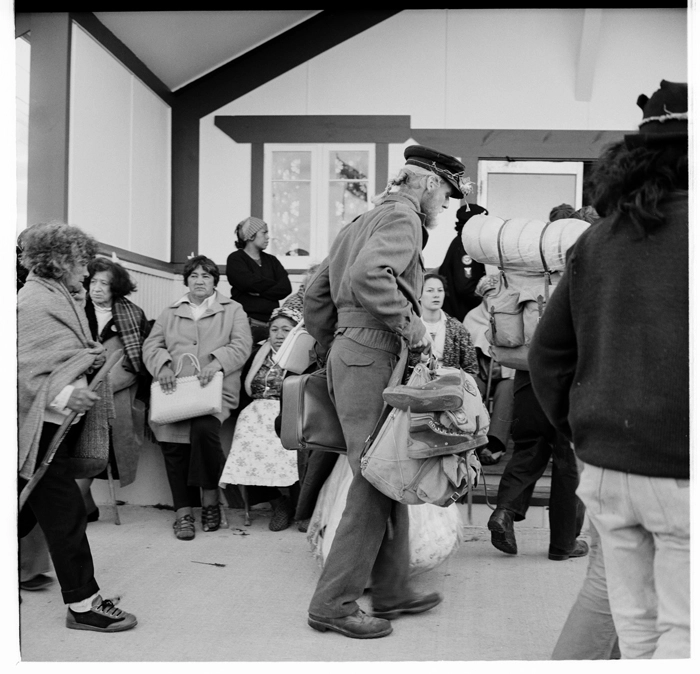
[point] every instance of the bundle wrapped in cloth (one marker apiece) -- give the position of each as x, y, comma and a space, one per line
521, 244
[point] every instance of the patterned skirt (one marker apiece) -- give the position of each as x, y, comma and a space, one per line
257, 456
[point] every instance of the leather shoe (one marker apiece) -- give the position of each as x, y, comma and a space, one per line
502, 534
580, 550
358, 625
416, 605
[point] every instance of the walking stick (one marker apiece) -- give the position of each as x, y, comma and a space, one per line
60, 434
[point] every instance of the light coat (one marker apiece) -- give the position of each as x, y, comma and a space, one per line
222, 333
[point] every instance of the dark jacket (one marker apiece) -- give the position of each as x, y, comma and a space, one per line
460, 297
609, 360
258, 289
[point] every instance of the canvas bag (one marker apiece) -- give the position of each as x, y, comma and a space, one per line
385, 463
189, 399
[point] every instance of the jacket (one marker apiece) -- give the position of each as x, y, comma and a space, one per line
222, 332
373, 275
609, 360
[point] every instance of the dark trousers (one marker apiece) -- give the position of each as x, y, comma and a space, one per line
198, 464
364, 546
535, 442
57, 505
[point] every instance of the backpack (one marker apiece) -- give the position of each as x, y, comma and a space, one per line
517, 304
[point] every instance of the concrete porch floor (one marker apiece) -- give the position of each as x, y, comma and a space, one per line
253, 609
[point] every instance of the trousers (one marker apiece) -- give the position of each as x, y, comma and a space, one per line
589, 631
365, 549
198, 464
644, 527
535, 441
57, 505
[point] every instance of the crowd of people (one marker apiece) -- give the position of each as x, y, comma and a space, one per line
603, 397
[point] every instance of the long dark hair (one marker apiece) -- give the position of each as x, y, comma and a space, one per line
631, 182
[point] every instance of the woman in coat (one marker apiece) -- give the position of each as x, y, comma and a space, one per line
214, 329
118, 323
258, 280
55, 357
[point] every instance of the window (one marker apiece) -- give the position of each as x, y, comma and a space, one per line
311, 192
529, 189
23, 56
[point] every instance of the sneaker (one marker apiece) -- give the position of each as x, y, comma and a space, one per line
103, 616
184, 528
38, 582
442, 393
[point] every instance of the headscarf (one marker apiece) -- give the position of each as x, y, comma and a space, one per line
248, 228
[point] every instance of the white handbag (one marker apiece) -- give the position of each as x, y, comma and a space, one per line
189, 399
296, 352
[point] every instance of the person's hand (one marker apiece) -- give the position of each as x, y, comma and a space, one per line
166, 379
100, 356
81, 400
207, 374
424, 345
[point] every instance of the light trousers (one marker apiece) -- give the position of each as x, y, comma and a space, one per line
644, 526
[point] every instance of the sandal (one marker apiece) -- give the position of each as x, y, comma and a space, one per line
184, 527
488, 458
211, 517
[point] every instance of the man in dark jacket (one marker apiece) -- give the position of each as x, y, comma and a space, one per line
610, 367
362, 304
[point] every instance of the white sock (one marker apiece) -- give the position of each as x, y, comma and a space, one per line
83, 606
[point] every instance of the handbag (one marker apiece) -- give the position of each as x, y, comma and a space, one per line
189, 399
308, 418
440, 480
296, 353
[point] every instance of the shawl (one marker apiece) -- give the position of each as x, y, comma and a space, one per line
132, 328
53, 350
258, 360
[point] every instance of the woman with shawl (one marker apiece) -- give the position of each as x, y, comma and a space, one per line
118, 323
56, 355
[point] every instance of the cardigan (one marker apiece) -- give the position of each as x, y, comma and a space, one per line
459, 350
609, 360
257, 288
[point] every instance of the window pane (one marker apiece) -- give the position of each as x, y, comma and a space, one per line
348, 165
347, 200
291, 165
291, 218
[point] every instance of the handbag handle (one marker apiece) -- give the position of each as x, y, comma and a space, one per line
194, 360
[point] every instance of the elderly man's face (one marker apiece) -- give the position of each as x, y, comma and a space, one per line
435, 199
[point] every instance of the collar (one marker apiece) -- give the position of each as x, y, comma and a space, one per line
215, 304
410, 201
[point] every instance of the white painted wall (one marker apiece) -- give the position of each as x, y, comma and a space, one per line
453, 69
119, 153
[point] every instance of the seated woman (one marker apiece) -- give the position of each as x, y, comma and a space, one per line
215, 329
257, 456
55, 357
451, 343
499, 376
118, 323
258, 280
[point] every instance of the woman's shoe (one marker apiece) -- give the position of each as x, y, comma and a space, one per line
211, 517
282, 516
184, 527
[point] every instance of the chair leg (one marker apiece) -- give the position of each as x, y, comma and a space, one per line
110, 480
244, 495
222, 508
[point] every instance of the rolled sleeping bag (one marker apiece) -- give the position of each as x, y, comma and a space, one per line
519, 240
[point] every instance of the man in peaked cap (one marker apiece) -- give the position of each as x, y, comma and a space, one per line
609, 364
361, 306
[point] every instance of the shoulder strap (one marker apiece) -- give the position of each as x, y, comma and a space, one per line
500, 252
547, 271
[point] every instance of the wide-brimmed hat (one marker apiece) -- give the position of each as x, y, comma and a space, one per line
664, 115
447, 167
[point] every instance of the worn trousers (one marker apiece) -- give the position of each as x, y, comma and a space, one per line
57, 505
198, 464
535, 441
365, 549
644, 527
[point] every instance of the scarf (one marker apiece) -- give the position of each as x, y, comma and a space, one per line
132, 328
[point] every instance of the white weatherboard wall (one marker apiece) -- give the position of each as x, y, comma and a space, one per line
119, 157
484, 69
